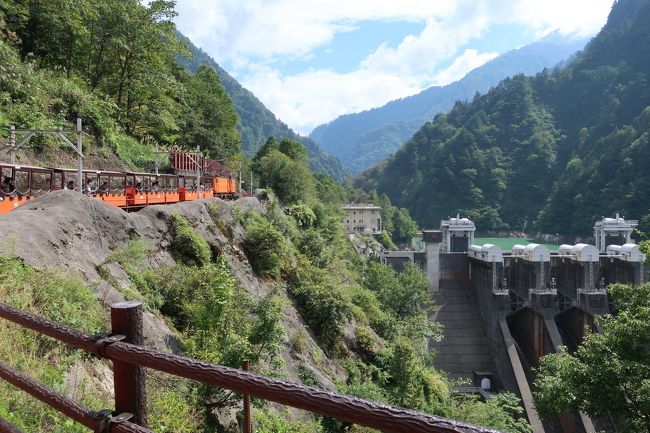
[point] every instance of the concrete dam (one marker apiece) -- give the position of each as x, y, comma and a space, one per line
503, 310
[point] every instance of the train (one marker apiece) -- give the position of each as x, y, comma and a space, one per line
126, 190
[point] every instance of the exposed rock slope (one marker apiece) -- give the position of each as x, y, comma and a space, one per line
75, 234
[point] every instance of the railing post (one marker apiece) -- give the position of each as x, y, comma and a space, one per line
248, 426
129, 379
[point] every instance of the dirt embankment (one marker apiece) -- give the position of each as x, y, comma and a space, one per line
71, 233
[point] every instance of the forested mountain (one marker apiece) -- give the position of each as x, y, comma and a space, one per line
114, 65
256, 122
118, 65
363, 139
553, 152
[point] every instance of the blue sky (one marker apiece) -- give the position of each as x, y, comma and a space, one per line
310, 61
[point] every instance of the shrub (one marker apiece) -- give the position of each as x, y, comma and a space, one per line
321, 303
187, 245
265, 247
364, 338
267, 422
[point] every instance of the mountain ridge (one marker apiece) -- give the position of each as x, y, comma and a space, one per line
256, 122
365, 138
550, 153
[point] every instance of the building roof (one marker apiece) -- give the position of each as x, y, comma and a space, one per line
355, 206
458, 223
617, 223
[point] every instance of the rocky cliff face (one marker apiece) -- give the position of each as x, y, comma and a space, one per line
76, 235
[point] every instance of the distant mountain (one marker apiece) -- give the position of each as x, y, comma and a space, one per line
256, 122
361, 140
550, 153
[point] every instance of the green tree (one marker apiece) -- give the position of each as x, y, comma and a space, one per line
610, 372
210, 119
287, 174
404, 294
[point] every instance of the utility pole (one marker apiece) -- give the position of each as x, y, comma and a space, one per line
156, 159
239, 186
198, 172
251, 182
79, 155
12, 144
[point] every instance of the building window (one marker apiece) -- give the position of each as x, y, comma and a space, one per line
347, 221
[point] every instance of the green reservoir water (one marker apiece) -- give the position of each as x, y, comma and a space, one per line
507, 243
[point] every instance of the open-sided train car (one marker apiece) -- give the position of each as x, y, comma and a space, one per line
125, 190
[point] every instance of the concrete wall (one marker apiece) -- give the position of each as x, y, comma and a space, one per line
432, 240
454, 266
620, 271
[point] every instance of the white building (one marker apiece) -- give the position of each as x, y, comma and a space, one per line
457, 234
613, 231
362, 218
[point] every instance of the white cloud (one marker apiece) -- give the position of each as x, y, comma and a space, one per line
469, 60
252, 36
580, 17
288, 27
306, 100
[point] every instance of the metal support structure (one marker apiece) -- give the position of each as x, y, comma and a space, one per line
248, 425
129, 379
14, 146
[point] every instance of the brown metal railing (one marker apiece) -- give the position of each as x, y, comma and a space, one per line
124, 353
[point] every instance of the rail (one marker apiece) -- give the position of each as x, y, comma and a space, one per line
130, 358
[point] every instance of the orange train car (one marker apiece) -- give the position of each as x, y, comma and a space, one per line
124, 190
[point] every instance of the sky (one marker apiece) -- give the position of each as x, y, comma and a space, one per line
310, 61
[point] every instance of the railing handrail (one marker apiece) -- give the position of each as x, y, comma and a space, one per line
352, 409
70, 408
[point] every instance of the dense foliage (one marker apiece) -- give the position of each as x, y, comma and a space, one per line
363, 139
113, 64
610, 372
552, 153
64, 299
256, 122
374, 320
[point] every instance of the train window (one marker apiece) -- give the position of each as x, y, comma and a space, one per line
138, 184
116, 184
173, 184
40, 183
91, 183
103, 184
71, 181
57, 180
21, 183
146, 184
